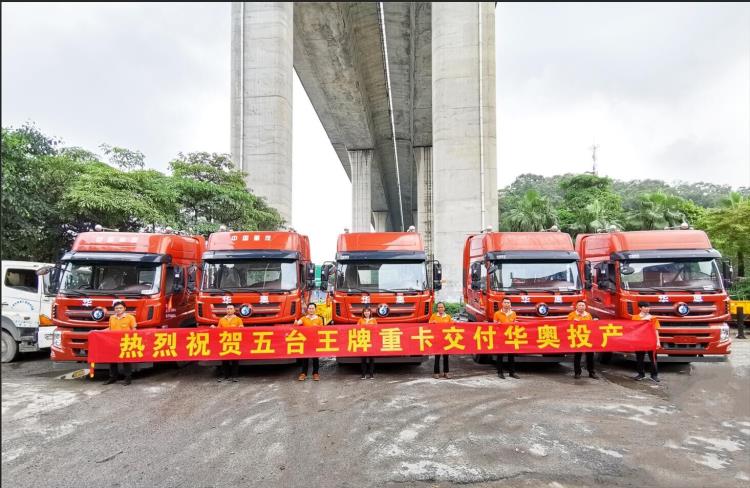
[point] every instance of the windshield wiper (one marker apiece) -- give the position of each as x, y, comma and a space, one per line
358, 290
400, 290
266, 290
645, 288
73, 292
510, 289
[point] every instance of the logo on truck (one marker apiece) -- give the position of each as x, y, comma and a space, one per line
246, 310
682, 309
98, 313
383, 310
542, 309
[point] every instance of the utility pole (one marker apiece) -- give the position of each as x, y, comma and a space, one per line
593, 148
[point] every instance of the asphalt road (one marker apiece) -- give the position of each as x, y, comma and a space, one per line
178, 427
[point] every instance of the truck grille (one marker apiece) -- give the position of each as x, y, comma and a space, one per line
84, 313
396, 309
259, 309
697, 309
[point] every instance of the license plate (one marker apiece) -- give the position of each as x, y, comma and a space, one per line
684, 339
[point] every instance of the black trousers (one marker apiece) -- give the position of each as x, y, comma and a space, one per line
127, 370
230, 366
511, 363
306, 365
589, 362
436, 368
639, 363
367, 365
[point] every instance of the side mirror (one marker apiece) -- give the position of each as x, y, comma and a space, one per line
476, 275
727, 273
437, 276
587, 274
192, 273
327, 273
310, 276
179, 280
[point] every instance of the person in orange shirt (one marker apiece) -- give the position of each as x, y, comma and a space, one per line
311, 319
120, 321
229, 321
581, 315
368, 362
645, 314
505, 316
441, 318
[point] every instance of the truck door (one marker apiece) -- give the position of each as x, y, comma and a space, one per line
21, 296
603, 290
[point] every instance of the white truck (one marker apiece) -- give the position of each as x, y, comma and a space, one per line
26, 309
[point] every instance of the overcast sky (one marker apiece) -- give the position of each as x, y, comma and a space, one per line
663, 90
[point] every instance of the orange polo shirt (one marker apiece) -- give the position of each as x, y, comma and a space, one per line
227, 323
437, 319
370, 321
503, 318
579, 318
316, 321
127, 322
652, 319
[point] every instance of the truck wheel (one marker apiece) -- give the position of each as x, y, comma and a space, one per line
10, 348
482, 358
605, 357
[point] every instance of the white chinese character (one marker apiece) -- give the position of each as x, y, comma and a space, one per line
525, 299
87, 302
256, 238
264, 299
226, 299
558, 299
399, 299
663, 299
365, 298
268, 238
246, 237
697, 298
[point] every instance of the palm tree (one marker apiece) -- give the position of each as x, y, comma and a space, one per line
533, 212
597, 217
657, 210
733, 200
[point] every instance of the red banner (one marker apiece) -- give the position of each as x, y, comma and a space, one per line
277, 342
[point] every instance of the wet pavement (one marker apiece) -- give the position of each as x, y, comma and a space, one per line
177, 427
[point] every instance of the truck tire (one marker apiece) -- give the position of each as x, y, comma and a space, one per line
483, 358
605, 357
9, 347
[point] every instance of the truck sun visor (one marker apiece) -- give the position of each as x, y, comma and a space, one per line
131, 257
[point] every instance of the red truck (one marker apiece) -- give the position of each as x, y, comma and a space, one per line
387, 271
537, 271
677, 272
267, 276
154, 274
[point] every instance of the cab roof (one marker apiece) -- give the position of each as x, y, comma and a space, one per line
260, 240
613, 242
174, 245
380, 241
525, 241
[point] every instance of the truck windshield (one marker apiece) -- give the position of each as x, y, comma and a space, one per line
694, 275
387, 276
250, 275
526, 275
107, 278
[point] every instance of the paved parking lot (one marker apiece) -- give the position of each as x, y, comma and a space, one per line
178, 427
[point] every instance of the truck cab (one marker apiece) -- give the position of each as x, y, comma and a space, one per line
387, 271
677, 272
267, 276
26, 309
156, 275
537, 271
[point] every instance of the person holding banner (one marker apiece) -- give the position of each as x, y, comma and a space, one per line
229, 321
505, 316
367, 363
441, 318
120, 321
645, 314
311, 319
581, 315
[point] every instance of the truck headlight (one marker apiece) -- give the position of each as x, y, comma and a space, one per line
57, 339
724, 333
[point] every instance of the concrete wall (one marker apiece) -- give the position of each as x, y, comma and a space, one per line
463, 131
261, 105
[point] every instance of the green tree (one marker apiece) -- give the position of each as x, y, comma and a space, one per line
588, 202
123, 158
729, 230
211, 192
532, 212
